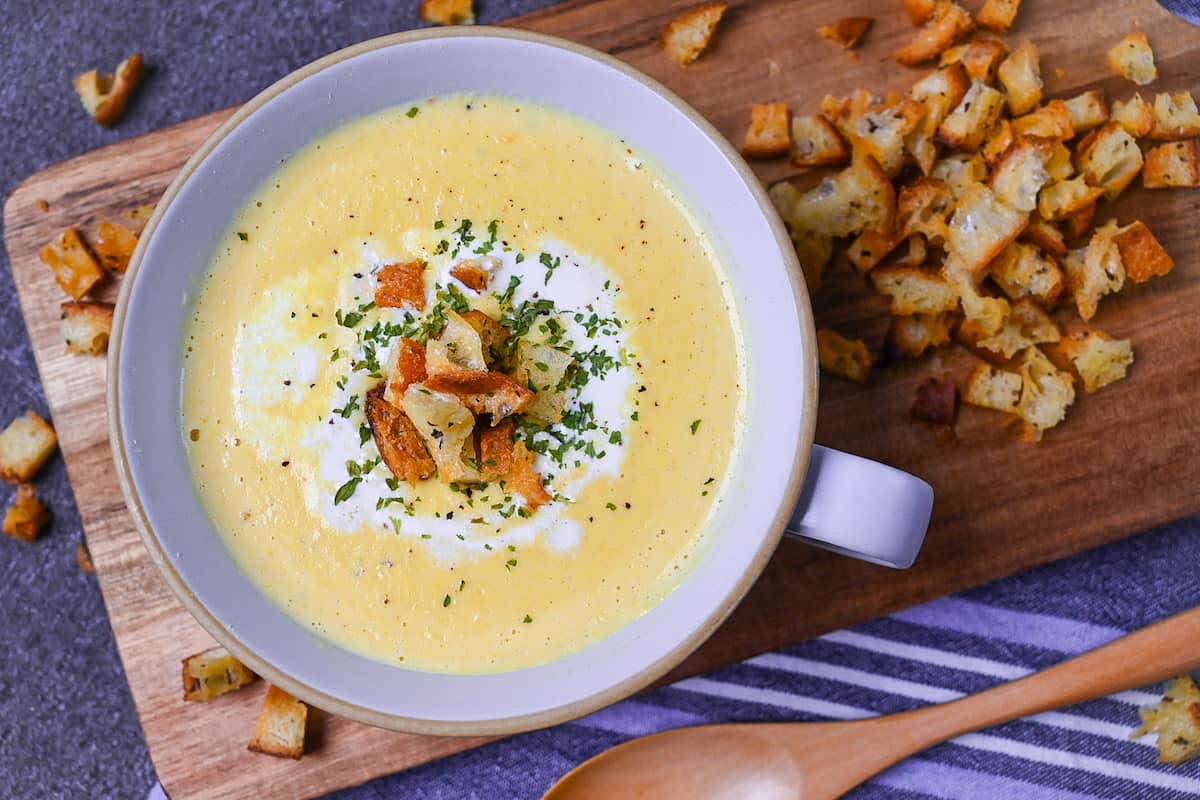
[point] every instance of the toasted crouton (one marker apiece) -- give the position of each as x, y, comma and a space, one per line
972, 119
401, 284
983, 314
948, 23
86, 326
922, 209
212, 673
847, 31
988, 387
768, 134
475, 273
815, 141
686, 36
492, 336
1135, 115
857, 198
939, 93
870, 248
979, 57
1021, 76
880, 129
279, 730
914, 291
997, 142
1025, 326
812, 249
446, 425
24, 447
1021, 173
1059, 164
1046, 393
1094, 271
1045, 236
1175, 117
105, 96
115, 245
496, 451
492, 393
960, 172
408, 369
84, 559
1176, 721
849, 358
1109, 157
918, 10
1079, 223
524, 479
913, 334
448, 12
1088, 110
75, 268
1023, 270
1173, 164
25, 517
936, 402
1051, 121
1098, 358
998, 15
399, 442
1061, 199
1141, 255
457, 347
981, 227
1133, 59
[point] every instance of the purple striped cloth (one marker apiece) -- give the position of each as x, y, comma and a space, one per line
931, 653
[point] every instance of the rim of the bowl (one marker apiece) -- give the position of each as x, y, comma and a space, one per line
630, 684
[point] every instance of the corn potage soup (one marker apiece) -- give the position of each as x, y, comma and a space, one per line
462, 387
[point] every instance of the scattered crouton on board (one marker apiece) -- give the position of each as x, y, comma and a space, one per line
448, 12
26, 516
686, 36
24, 447
105, 96
279, 730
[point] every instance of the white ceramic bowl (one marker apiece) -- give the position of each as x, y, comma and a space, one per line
146, 351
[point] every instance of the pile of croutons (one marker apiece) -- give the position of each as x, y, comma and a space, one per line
968, 202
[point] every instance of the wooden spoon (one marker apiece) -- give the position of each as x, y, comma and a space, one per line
823, 760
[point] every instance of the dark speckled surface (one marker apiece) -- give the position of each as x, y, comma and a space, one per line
67, 724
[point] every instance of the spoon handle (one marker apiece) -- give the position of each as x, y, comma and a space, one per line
1152, 654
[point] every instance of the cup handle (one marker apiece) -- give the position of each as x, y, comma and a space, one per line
861, 508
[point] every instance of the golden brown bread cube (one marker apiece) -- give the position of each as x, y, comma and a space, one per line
997, 142
918, 10
686, 36
1023, 270
948, 23
997, 389
24, 447
401, 284
1175, 116
915, 291
815, 142
939, 93
1094, 271
1176, 722
1133, 59
1173, 164
279, 730
847, 31
105, 96
769, 134
979, 57
212, 673
1045, 236
1141, 254
1098, 358
1026, 325
1087, 110
1061, 199
981, 227
25, 517
448, 12
849, 358
1134, 115
998, 15
1051, 121
115, 245
1109, 157
1021, 173
75, 268
913, 334
1022, 79
972, 119
1046, 394
86, 326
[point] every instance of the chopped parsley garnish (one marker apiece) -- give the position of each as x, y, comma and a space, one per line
488, 244
550, 264
364, 434
351, 406
346, 490
528, 619
412, 112
611, 506
465, 237
438, 225
512, 562
245, 237
695, 426
446, 601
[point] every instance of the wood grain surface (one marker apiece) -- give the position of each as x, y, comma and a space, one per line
1126, 458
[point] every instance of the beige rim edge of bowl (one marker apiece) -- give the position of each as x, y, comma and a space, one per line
508, 725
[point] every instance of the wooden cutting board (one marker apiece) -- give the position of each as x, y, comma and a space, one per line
1125, 460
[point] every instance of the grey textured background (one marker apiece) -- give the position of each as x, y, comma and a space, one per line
67, 724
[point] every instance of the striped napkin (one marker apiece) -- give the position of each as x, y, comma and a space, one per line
927, 654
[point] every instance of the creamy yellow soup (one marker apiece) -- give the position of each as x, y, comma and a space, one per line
589, 249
